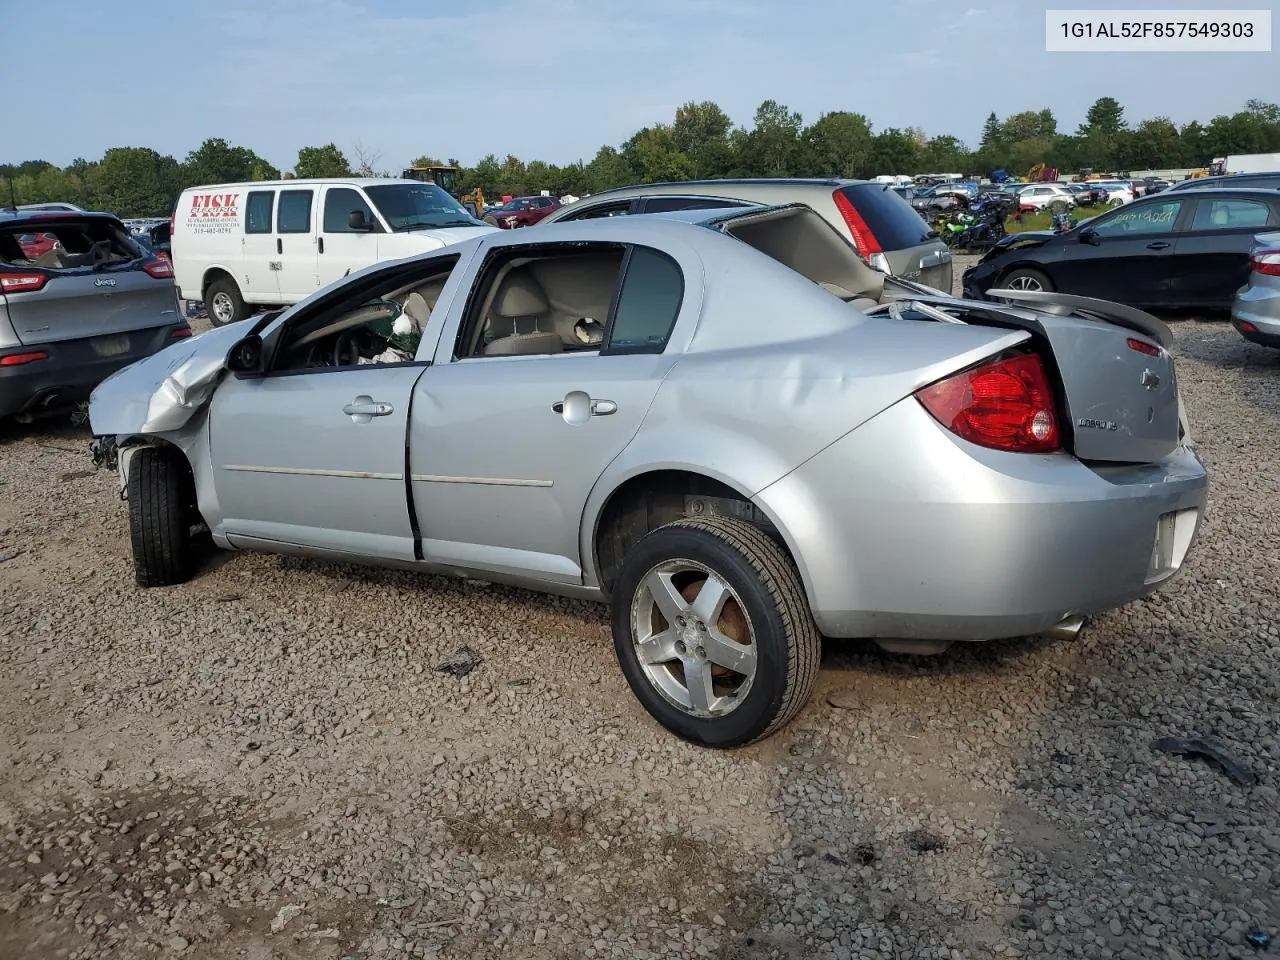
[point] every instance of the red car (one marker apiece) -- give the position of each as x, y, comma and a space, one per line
521, 212
36, 244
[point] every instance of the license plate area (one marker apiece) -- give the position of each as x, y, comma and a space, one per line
1174, 531
111, 346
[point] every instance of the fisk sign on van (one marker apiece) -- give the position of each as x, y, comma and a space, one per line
213, 212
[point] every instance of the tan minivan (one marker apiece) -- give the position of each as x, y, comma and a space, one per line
884, 227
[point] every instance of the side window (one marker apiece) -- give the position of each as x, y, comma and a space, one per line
616, 209
339, 204
257, 211
662, 204
541, 300
1139, 220
378, 319
648, 304
1230, 214
294, 214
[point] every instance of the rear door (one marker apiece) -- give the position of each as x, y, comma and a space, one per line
63, 296
339, 249
1125, 255
296, 243
1210, 259
260, 274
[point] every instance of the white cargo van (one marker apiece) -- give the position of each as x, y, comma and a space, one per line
240, 247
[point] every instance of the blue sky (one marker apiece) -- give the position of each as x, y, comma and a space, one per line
555, 79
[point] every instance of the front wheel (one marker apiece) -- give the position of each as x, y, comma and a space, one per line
162, 512
1025, 278
713, 631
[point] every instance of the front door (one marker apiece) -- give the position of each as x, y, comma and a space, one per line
340, 250
1130, 259
296, 243
315, 459
504, 451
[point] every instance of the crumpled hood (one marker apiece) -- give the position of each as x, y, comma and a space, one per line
161, 392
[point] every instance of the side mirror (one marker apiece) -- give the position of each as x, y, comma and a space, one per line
356, 221
1090, 236
246, 357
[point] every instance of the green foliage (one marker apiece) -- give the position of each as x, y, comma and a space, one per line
700, 142
325, 161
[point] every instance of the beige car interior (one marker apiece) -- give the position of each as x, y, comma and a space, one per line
541, 305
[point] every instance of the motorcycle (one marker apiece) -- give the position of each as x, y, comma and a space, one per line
986, 231
1063, 222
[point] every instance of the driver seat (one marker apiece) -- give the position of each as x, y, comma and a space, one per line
518, 310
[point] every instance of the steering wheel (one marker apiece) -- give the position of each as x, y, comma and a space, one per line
346, 348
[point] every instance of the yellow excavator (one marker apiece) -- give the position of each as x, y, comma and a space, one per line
446, 178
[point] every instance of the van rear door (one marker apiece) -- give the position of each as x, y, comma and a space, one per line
260, 276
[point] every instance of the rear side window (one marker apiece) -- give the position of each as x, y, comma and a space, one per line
257, 211
70, 245
648, 303
618, 209
894, 222
339, 204
295, 211
1230, 214
663, 204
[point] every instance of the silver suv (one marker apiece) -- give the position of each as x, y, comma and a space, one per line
884, 228
78, 300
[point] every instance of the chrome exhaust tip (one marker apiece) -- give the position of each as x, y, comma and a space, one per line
1068, 628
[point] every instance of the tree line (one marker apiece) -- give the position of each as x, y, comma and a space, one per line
701, 142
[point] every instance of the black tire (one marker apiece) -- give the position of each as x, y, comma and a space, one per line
162, 512
224, 291
788, 645
1029, 274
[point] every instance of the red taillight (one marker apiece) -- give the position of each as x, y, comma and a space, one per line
863, 237
1004, 404
1266, 262
160, 269
1150, 349
17, 359
180, 333
22, 282
1246, 327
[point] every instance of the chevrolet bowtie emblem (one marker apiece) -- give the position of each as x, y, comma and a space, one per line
1150, 379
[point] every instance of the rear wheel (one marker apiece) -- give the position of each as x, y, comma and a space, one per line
713, 632
162, 511
1026, 278
223, 302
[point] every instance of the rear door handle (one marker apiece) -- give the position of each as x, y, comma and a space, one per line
279, 245
577, 407
320, 243
363, 409
1158, 245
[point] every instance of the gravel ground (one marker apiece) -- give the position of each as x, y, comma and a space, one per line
266, 763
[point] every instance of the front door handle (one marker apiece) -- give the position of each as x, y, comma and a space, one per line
279, 245
578, 407
320, 243
1158, 245
363, 409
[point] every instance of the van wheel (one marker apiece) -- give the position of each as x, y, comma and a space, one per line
223, 302
713, 631
162, 511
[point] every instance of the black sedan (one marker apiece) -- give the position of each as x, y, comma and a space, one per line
1169, 250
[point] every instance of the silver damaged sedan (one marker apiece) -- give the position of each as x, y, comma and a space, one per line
723, 423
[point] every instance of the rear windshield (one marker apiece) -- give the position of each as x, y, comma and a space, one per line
66, 244
892, 219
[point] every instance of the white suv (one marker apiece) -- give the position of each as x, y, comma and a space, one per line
1041, 195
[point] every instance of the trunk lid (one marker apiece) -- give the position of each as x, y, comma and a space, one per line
1116, 372
84, 302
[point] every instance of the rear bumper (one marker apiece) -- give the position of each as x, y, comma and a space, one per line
1256, 315
902, 530
71, 370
